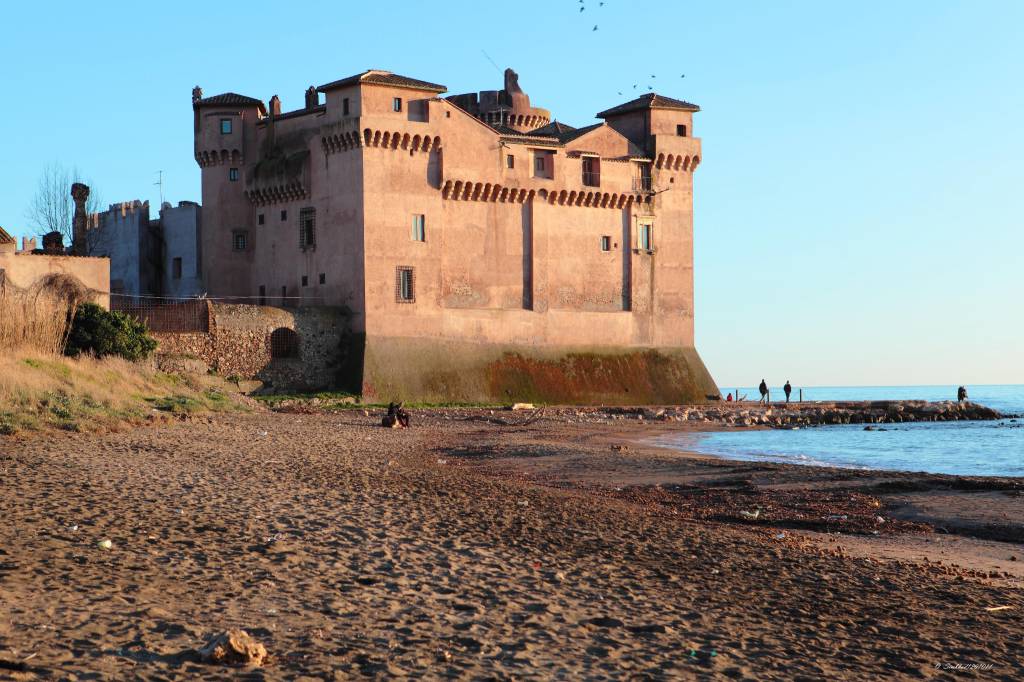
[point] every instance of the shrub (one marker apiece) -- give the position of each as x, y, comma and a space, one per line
103, 332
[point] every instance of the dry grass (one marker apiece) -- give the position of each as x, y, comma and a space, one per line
38, 317
43, 391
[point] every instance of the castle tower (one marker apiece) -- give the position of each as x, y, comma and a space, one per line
508, 107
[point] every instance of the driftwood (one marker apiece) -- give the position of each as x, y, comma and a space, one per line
234, 647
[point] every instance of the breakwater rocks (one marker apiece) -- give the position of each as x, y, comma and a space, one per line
813, 414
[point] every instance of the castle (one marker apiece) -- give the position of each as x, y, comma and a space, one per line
482, 250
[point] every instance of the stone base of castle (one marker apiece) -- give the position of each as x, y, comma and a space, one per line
439, 370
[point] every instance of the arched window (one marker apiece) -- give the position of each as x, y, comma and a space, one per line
284, 343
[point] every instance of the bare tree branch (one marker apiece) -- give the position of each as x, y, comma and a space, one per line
52, 209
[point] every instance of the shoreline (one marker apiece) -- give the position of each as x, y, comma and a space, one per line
959, 521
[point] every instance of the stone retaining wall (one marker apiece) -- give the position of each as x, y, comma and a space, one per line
239, 344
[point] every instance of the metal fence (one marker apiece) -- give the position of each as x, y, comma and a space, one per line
165, 315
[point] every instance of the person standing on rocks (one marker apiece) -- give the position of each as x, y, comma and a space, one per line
765, 396
961, 394
787, 389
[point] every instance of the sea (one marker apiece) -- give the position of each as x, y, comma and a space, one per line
966, 448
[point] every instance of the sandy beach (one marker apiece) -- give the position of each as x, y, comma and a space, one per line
466, 548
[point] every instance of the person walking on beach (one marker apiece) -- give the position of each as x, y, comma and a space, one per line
961, 394
787, 389
765, 397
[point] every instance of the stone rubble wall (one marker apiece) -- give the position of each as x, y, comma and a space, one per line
238, 345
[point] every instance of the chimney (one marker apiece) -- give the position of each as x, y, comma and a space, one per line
28, 244
79, 193
275, 106
53, 243
312, 97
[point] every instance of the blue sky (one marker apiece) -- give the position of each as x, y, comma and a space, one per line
859, 205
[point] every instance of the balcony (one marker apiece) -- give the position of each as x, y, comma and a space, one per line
592, 178
642, 184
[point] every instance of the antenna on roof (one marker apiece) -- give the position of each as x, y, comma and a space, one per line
496, 67
160, 182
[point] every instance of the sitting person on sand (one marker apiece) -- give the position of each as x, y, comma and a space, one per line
765, 396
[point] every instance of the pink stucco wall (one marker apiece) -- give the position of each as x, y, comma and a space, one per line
23, 270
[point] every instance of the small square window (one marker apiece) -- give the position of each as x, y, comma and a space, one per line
447, 114
176, 268
606, 243
240, 240
405, 285
645, 237
284, 215
510, 161
225, 126
681, 130
233, 174
305, 280
344, 107
396, 104
261, 219
543, 164
419, 232
592, 171
323, 278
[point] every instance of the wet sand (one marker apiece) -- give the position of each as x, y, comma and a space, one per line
464, 548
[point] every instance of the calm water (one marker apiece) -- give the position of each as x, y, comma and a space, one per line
966, 448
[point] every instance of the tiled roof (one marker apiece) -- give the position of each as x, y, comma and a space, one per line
377, 77
229, 99
319, 109
571, 135
649, 101
553, 129
6, 238
505, 130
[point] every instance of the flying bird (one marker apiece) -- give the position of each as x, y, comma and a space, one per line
653, 76
683, 76
649, 87
634, 86
582, 8
595, 27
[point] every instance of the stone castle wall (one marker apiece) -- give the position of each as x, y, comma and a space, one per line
243, 339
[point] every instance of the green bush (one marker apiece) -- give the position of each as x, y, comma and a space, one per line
102, 332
